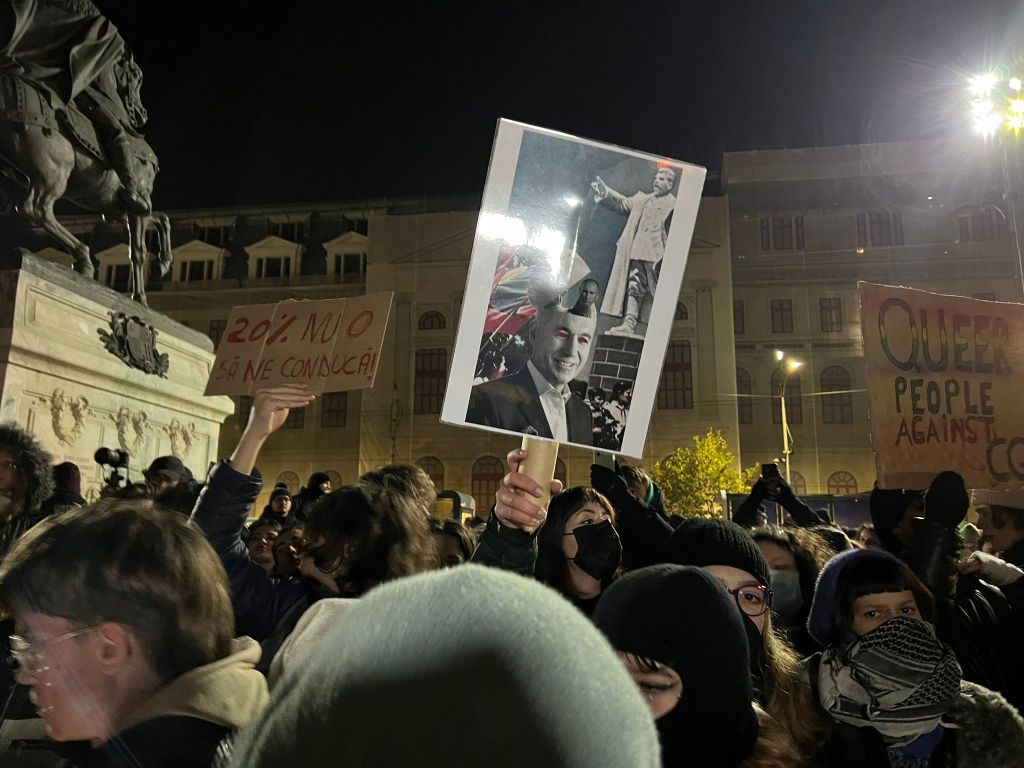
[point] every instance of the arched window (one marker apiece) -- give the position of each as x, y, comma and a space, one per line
838, 408
487, 474
291, 480
794, 404
431, 321
431, 376
681, 312
433, 467
797, 483
560, 473
744, 404
842, 483
675, 390
335, 478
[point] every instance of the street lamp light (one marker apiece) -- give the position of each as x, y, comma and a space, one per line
997, 102
787, 366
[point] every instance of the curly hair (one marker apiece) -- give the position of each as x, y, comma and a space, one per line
406, 479
367, 534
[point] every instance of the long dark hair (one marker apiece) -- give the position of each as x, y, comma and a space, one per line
552, 568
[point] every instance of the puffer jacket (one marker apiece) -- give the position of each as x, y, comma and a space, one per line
983, 624
36, 466
260, 600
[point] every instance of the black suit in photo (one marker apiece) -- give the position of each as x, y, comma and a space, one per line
513, 403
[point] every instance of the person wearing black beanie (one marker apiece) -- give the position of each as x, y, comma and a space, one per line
727, 552
683, 642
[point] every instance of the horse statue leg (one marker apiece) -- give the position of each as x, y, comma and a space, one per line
137, 250
48, 162
162, 225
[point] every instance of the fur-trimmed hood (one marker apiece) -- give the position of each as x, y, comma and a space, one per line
990, 733
35, 465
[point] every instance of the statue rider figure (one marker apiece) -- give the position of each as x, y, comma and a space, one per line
75, 55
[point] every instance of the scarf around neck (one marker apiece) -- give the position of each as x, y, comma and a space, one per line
898, 679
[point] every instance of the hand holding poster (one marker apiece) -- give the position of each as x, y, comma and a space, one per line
943, 377
578, 259
331, 345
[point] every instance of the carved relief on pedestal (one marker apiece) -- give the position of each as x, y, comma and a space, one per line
67, 415
183, 437
131, 429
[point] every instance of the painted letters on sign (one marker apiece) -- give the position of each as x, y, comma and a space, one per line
943, 377
332, 345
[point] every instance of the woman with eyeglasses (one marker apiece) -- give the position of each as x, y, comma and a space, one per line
887, 691
681, 638
727, 552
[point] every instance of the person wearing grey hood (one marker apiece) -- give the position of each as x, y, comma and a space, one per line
469, 666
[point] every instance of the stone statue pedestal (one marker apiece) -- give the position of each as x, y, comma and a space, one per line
59, 380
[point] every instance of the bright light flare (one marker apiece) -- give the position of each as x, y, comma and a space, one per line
1015, 122
1015, 83
793, 365
779, 354
982, 85
572, 201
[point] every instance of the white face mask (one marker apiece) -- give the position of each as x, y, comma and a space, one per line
787, 598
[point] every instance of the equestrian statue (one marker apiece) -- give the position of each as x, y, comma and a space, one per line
70, 114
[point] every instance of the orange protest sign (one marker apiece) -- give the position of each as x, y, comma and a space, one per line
943, 385
330, 345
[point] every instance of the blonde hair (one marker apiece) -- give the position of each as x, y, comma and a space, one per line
774, 747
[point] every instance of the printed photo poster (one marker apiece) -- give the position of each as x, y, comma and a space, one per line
944, 392
577, 263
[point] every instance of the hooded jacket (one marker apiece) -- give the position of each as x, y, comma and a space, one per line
466, 667
36, 467
186, 722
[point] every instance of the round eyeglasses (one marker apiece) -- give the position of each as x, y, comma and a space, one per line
753, 599
29, 656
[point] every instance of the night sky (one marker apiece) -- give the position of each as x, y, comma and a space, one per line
316, 101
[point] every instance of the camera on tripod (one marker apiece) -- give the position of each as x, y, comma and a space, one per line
116, 460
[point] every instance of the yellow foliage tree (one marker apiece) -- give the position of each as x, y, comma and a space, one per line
693, 477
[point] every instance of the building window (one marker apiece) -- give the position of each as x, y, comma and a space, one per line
217, 331
782, 315
675, 391
195, 271
831, 311
431, 321
842, 484
837, 408
897, 228
219, 236
797, 483
862, 230
766, 243
296, 419
431, 374
982, 227
295, 231
433, 467
794, 403
351, 267
782, 233
334, 409
276, 266
242, 409
986, 295
744, 404
884, 229
799, 223
289, 480
487, 474
880, 233
118, 276
739, 319
681, 313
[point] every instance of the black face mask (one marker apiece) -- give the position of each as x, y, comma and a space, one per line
598, 549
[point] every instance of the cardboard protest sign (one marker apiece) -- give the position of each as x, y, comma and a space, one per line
943, 378
577, 263
332, 345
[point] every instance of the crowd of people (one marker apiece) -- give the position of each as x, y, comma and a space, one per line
172, 623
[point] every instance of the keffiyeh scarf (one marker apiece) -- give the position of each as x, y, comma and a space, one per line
898, 679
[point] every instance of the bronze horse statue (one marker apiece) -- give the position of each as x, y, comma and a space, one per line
49, 152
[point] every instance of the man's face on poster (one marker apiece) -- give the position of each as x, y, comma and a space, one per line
663, 181
561, 343
588, 293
